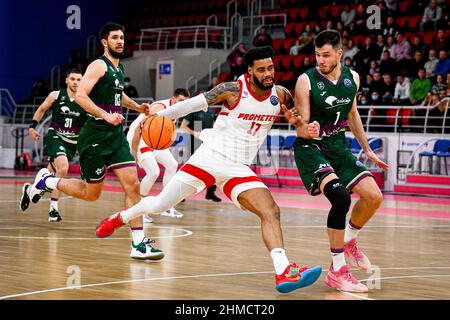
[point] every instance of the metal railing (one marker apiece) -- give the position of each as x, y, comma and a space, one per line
7, 103
254, 22
201, 36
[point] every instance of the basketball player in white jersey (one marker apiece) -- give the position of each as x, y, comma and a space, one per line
251, 105
148, 159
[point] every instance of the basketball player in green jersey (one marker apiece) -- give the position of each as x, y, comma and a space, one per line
61, 140
325, 105
102, 143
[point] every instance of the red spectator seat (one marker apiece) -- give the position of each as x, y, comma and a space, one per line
304, 13
428, 37
286, 62
276, 44
413, 22
287, 44
299, 28
278, 76
401, 21
297, 61
224, 76
289, 30
277, 61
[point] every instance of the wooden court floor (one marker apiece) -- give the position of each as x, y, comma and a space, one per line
215, 251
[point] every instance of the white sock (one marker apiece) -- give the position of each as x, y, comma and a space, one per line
138, 235
54, 204
338, 260
280, 261
52, 183
351, 232
171, 194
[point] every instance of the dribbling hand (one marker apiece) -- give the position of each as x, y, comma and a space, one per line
314, 129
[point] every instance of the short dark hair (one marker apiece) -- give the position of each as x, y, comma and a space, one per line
181, 92
331, 37
258, 53
127, 79
107, 28
73, 70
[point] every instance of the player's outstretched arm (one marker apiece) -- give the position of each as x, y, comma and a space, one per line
225, 92
129, 103
39, 114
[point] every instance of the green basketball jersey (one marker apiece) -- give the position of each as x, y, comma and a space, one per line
67, 117
107, 92
329, 105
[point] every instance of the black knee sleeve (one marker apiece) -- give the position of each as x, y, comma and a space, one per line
340, 204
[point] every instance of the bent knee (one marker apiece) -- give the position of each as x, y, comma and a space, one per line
374, 197
93, 196
272, 212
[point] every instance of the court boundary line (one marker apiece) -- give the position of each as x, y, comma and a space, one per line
219, 275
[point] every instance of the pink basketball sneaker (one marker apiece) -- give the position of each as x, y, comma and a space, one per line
343, 280
355, 257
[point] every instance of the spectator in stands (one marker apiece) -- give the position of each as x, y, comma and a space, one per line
430, 65
390, 28
317, 29
340, 27
365, 55
351, 50
214, 82
329, 25
238, 69
304, 43
347, 16
306, 65
390, 42
348, 62
238, 51
401, 92
377, 83
440, 41
366, 87
436, 115
262, 38
379, 45
383, 10
378, 115
39, 90
129, 89
387, 64
359, 26
373, 67
415, 64
388, 90
439, 85
419, 88
392, 7
401, 52
431, 16
448, 84
443, 65
418, 45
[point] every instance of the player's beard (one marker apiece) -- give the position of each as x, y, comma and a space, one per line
115, 54
331, 70
260, 85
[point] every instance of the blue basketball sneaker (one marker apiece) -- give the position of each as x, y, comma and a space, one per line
295, 278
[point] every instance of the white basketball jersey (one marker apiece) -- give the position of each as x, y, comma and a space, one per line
137, 121
240, 130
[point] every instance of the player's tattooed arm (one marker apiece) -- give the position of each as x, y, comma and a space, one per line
225, 92
285, 97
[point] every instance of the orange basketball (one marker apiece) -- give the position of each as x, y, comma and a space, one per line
158, 132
